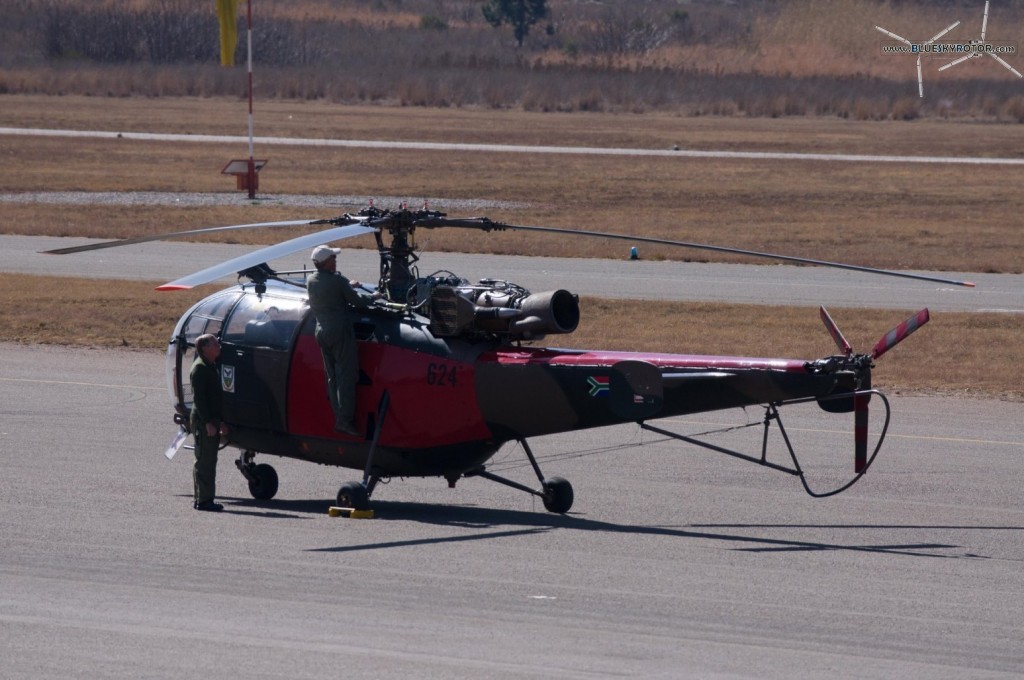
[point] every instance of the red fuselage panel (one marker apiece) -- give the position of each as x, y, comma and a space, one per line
432, 399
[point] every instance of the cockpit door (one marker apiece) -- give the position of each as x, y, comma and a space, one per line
256, 349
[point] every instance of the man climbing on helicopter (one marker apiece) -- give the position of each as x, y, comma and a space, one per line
333, 298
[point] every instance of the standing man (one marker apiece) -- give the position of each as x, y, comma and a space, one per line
332, 297
206, 421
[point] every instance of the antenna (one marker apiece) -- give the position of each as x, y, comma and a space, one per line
977, 45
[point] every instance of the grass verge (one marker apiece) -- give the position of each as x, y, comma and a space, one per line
957, 353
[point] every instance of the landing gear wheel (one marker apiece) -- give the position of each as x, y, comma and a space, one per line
263, 482
353, 495
558, 495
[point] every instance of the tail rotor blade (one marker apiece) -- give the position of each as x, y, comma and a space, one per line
898, 334
833, 330
860, 432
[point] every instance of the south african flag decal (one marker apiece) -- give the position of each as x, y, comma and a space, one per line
598, 385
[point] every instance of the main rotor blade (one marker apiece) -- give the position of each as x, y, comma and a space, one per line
920, 80
265, 254
173, 234
737, 251
834, 331
984, 22
900, 333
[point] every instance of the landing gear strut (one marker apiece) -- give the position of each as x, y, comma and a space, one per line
556, 492
356, 495
262, 478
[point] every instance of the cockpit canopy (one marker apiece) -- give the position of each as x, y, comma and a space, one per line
264, 321
237, 316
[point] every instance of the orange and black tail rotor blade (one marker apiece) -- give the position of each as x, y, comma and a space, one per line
899, 333
860, 431
833, 330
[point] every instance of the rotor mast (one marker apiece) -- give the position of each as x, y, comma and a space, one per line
398, 259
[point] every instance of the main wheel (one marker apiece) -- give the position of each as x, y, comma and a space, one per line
263, 484
353, 495
557, 495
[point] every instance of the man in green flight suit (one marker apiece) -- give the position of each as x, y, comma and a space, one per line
332, 297
206, 421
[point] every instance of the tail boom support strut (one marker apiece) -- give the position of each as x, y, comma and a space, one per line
772, 415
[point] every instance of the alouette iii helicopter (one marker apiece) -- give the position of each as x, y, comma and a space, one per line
445, 379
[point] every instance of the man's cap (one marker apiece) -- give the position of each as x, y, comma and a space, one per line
323, 253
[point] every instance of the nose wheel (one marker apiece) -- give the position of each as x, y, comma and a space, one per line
262, 478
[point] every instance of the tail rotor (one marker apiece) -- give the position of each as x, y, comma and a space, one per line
861, 364
895, 336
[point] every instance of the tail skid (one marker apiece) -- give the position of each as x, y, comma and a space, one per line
772, 416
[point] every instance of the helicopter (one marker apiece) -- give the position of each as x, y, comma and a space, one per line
449, 372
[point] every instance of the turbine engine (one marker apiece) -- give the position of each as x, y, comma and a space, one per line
495, 307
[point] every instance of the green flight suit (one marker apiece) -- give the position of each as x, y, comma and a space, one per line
332, 299
207, 407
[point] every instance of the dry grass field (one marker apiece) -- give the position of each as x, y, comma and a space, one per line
758, 58
897, 215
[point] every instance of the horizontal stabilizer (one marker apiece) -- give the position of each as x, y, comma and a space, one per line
636, 390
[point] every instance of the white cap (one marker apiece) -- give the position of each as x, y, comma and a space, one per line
323, 253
